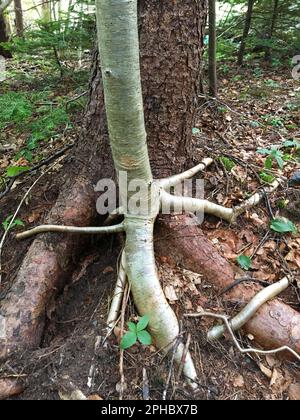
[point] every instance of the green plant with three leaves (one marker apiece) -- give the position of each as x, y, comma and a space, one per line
137, 332
274, 154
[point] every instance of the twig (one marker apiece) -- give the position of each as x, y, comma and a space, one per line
122, 377
243, 280
36, 167
184, 354
241, 349
171, 368
15, 215
146, 392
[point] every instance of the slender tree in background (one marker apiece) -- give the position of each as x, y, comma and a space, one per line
275, 11
19, 18
4, 33
46, 10
212, 67
246, 32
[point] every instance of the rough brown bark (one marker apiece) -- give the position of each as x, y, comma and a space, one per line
171, 35
212, 49
19, 18
274, 325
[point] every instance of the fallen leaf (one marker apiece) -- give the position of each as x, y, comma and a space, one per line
266, 371
239, 382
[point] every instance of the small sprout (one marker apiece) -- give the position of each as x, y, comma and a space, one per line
137, 332
266, 177
244, 262
228, 163
195, 131
273, 154
13, 171
15, 223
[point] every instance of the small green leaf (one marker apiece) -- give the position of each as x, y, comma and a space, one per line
12, 171
144, 337
143, 322
128, 340
16, 222
244, 262
195, 131
269, 162
263, 151
266, 177
283, 226
132, 326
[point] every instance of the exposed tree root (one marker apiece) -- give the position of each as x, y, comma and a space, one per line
250, 309
274, 325
10, 387
244, 350
47, 263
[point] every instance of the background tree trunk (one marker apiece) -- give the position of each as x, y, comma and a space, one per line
19, 18
268, 54
212, 53
4, 36
246, 32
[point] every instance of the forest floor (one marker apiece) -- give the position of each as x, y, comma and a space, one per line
257, 108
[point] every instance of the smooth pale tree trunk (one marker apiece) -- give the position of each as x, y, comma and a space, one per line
246, 32
19, 18
268, 54
46, 10
212, 49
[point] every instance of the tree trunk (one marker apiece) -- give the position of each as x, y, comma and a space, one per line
4, 37
268, 54
46, 10
246, 32
212, 65
19, 18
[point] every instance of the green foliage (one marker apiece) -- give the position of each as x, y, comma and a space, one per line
282, 225
274, 154
137, 332
36, 123
267, 177
14, 109
16, 223
59, 41
228, 163
13, 171
244, 262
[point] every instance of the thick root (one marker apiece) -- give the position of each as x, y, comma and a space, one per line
42, 273
148, 294
10, 387
274, 325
